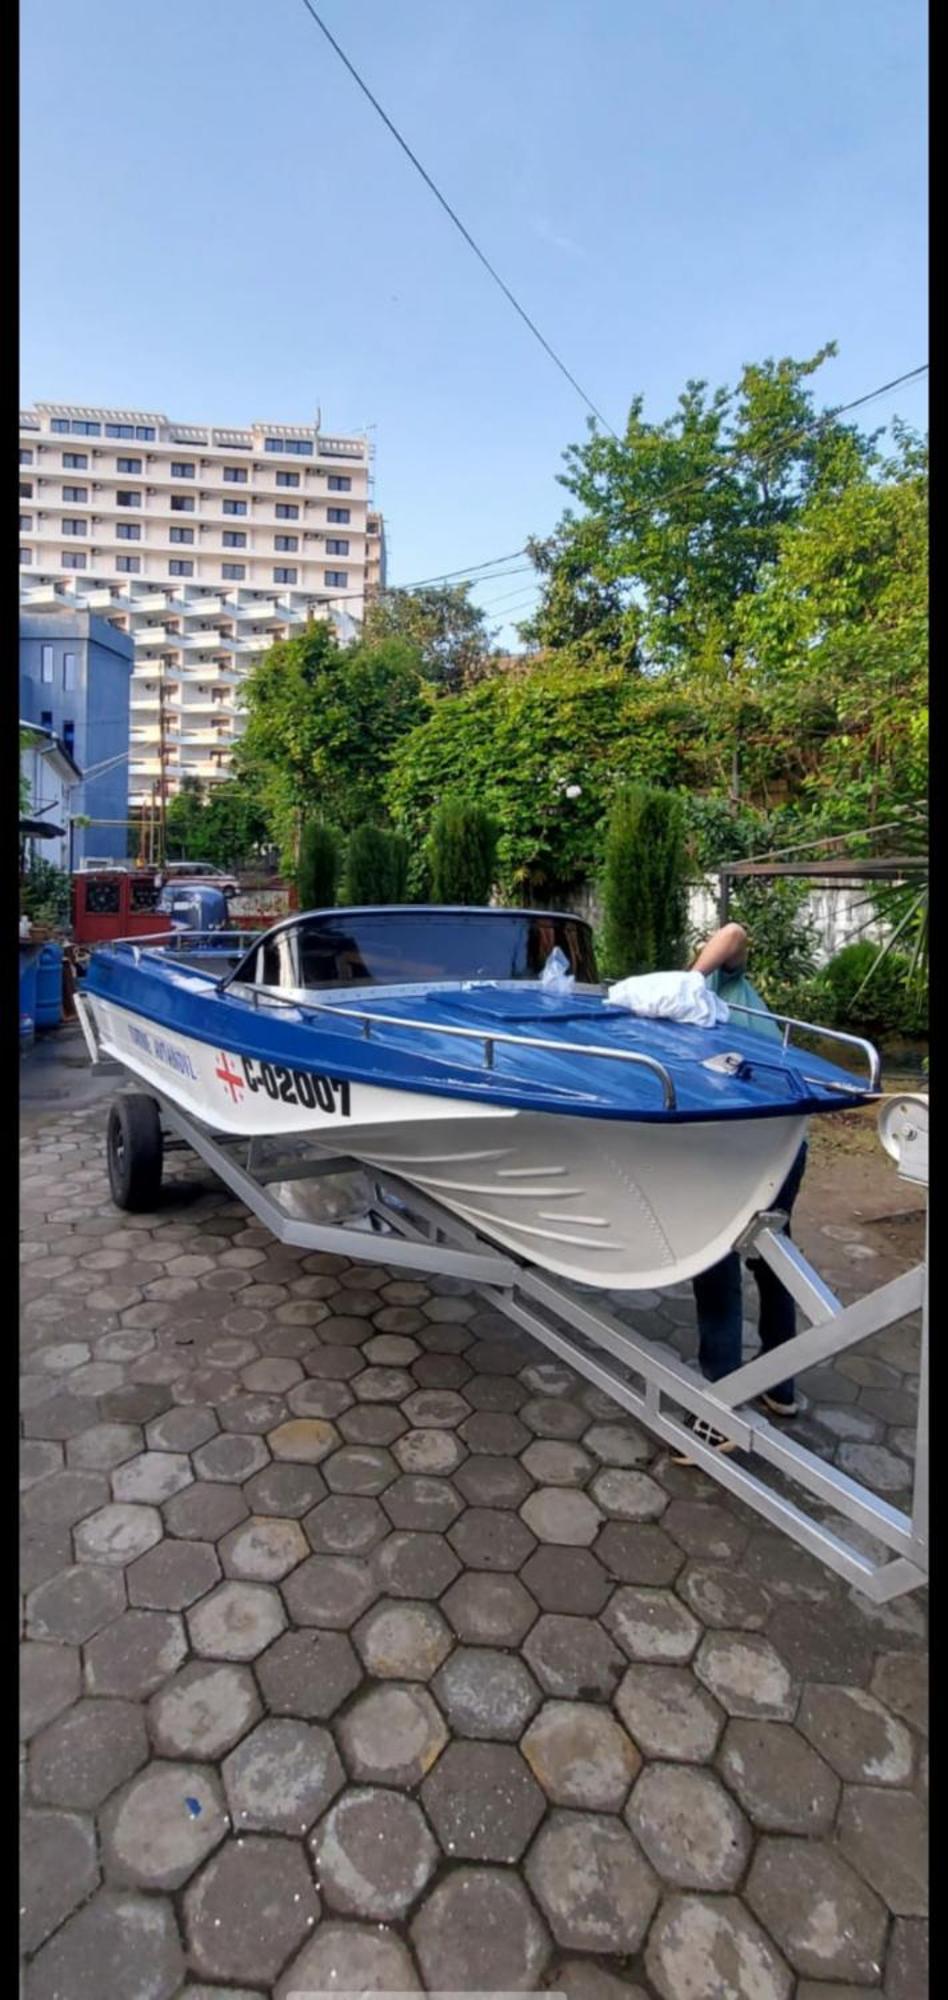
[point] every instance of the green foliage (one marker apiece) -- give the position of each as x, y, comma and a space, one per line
871, 995
46, 894
462, 852
223, 825
319, 864
782, 938
643, 883
446, 631
323, 723
376, 866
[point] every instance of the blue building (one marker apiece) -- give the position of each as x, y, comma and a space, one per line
75, 671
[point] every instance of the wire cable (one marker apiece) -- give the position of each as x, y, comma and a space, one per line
458, 224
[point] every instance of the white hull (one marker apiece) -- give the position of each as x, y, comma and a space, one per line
608, 1202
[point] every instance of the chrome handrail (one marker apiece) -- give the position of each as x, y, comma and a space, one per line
788, 1021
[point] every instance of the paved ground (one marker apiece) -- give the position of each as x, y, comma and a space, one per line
365, 1647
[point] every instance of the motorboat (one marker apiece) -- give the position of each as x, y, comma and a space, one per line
424, 1042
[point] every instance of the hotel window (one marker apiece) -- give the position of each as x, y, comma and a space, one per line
178, 568
75, 461
182, 535
26, 556
73, 559
26, 524
26, 489
69, 672
288, 479
339, 482
336, 548
79, 428
341, 514
69, 738
233, 572
182, 503
128, 499
233, 506
129, 565
287, 544
77, 494
71, 527
287, 510
120, 430
337, 578
46, 719
26, 457
300, 447
60, 424
46, 664
128, 464
128, 531
235, 475
179, 470
234, 538
284, 576
144, 434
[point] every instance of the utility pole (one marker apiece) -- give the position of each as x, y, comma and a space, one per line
162, 792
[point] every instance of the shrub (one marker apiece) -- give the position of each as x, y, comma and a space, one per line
46, 894
462, 852
317, 872
376, 866
644, 898
872, 995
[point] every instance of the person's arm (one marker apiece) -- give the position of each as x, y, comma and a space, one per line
726, 951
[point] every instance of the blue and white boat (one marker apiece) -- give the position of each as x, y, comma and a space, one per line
606, 1148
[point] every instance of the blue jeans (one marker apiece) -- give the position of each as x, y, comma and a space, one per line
720, 1305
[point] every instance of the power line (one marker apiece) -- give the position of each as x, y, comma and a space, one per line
458, 224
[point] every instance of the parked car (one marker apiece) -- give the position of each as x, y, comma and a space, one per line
201, 871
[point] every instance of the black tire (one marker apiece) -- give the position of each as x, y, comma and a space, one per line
135, 1148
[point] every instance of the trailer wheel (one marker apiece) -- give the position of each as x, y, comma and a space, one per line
135, 1147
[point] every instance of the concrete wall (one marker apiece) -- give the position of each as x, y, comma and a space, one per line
837, 914
97, 706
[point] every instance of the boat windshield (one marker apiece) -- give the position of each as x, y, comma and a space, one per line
398, 947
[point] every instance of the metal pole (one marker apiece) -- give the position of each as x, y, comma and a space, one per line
162, 808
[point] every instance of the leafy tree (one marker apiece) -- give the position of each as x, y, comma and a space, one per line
448, 632
462, 852
643, 882
223, 825
376, 866
323, 723
184, 821
318, 871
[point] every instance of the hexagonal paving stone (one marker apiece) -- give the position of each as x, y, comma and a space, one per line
581, 1756
119, 1943
417, 1501
620, 1444
374, 1424
489, 1609
204, 1711
583, 1979
135, 1654
852, 1730
231, 1458
288, 1491
182, 1430
571, 1581
264, 1549
725, 1598
554, 1417
438, 1409
884, 1834
79, 1759
691, 1831
392, 1736
304, 1440
491, 1538
345, 1524
65, 1498
360, 1468
747, 1675
117, 1534
58, 1870
780, 1781
630, 1496
353, 1958
153, 1476
391, 1350
562, 1514
49, 1682
668, 1714
906, 1966
826, 1921
428, 1451
482, 1801
282, 1776
415, 1565
236, 1622
205, 1512
486, 1694
373, 1854
900, 1680
251, 1906
330, 1590
173, 1575
75, 1604
825, 1642
574, 1658
495, 1431
651, 1625
557, 1462
329, 1363
403, 1641
309, 1674
638, 1552
495, 1392
592, 1882
163, 1825
707, 1946
478, 1930
706, 1530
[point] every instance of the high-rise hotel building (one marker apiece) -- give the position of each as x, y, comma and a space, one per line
206, 544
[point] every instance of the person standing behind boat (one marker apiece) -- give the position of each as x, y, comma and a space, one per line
718, 1292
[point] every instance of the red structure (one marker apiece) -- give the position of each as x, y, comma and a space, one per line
116, 903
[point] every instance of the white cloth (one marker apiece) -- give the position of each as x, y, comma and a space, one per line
671, 996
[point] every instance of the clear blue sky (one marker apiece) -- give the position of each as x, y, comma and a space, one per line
216, 224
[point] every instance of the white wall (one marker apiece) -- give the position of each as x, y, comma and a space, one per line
838, 915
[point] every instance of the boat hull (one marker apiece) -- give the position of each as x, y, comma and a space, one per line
614, 1203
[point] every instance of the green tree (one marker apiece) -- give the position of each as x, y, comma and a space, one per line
376, 866
448, 632
462, 852
319, 865
184, 822
643, 889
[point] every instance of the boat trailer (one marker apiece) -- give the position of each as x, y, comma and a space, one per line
390, 1221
